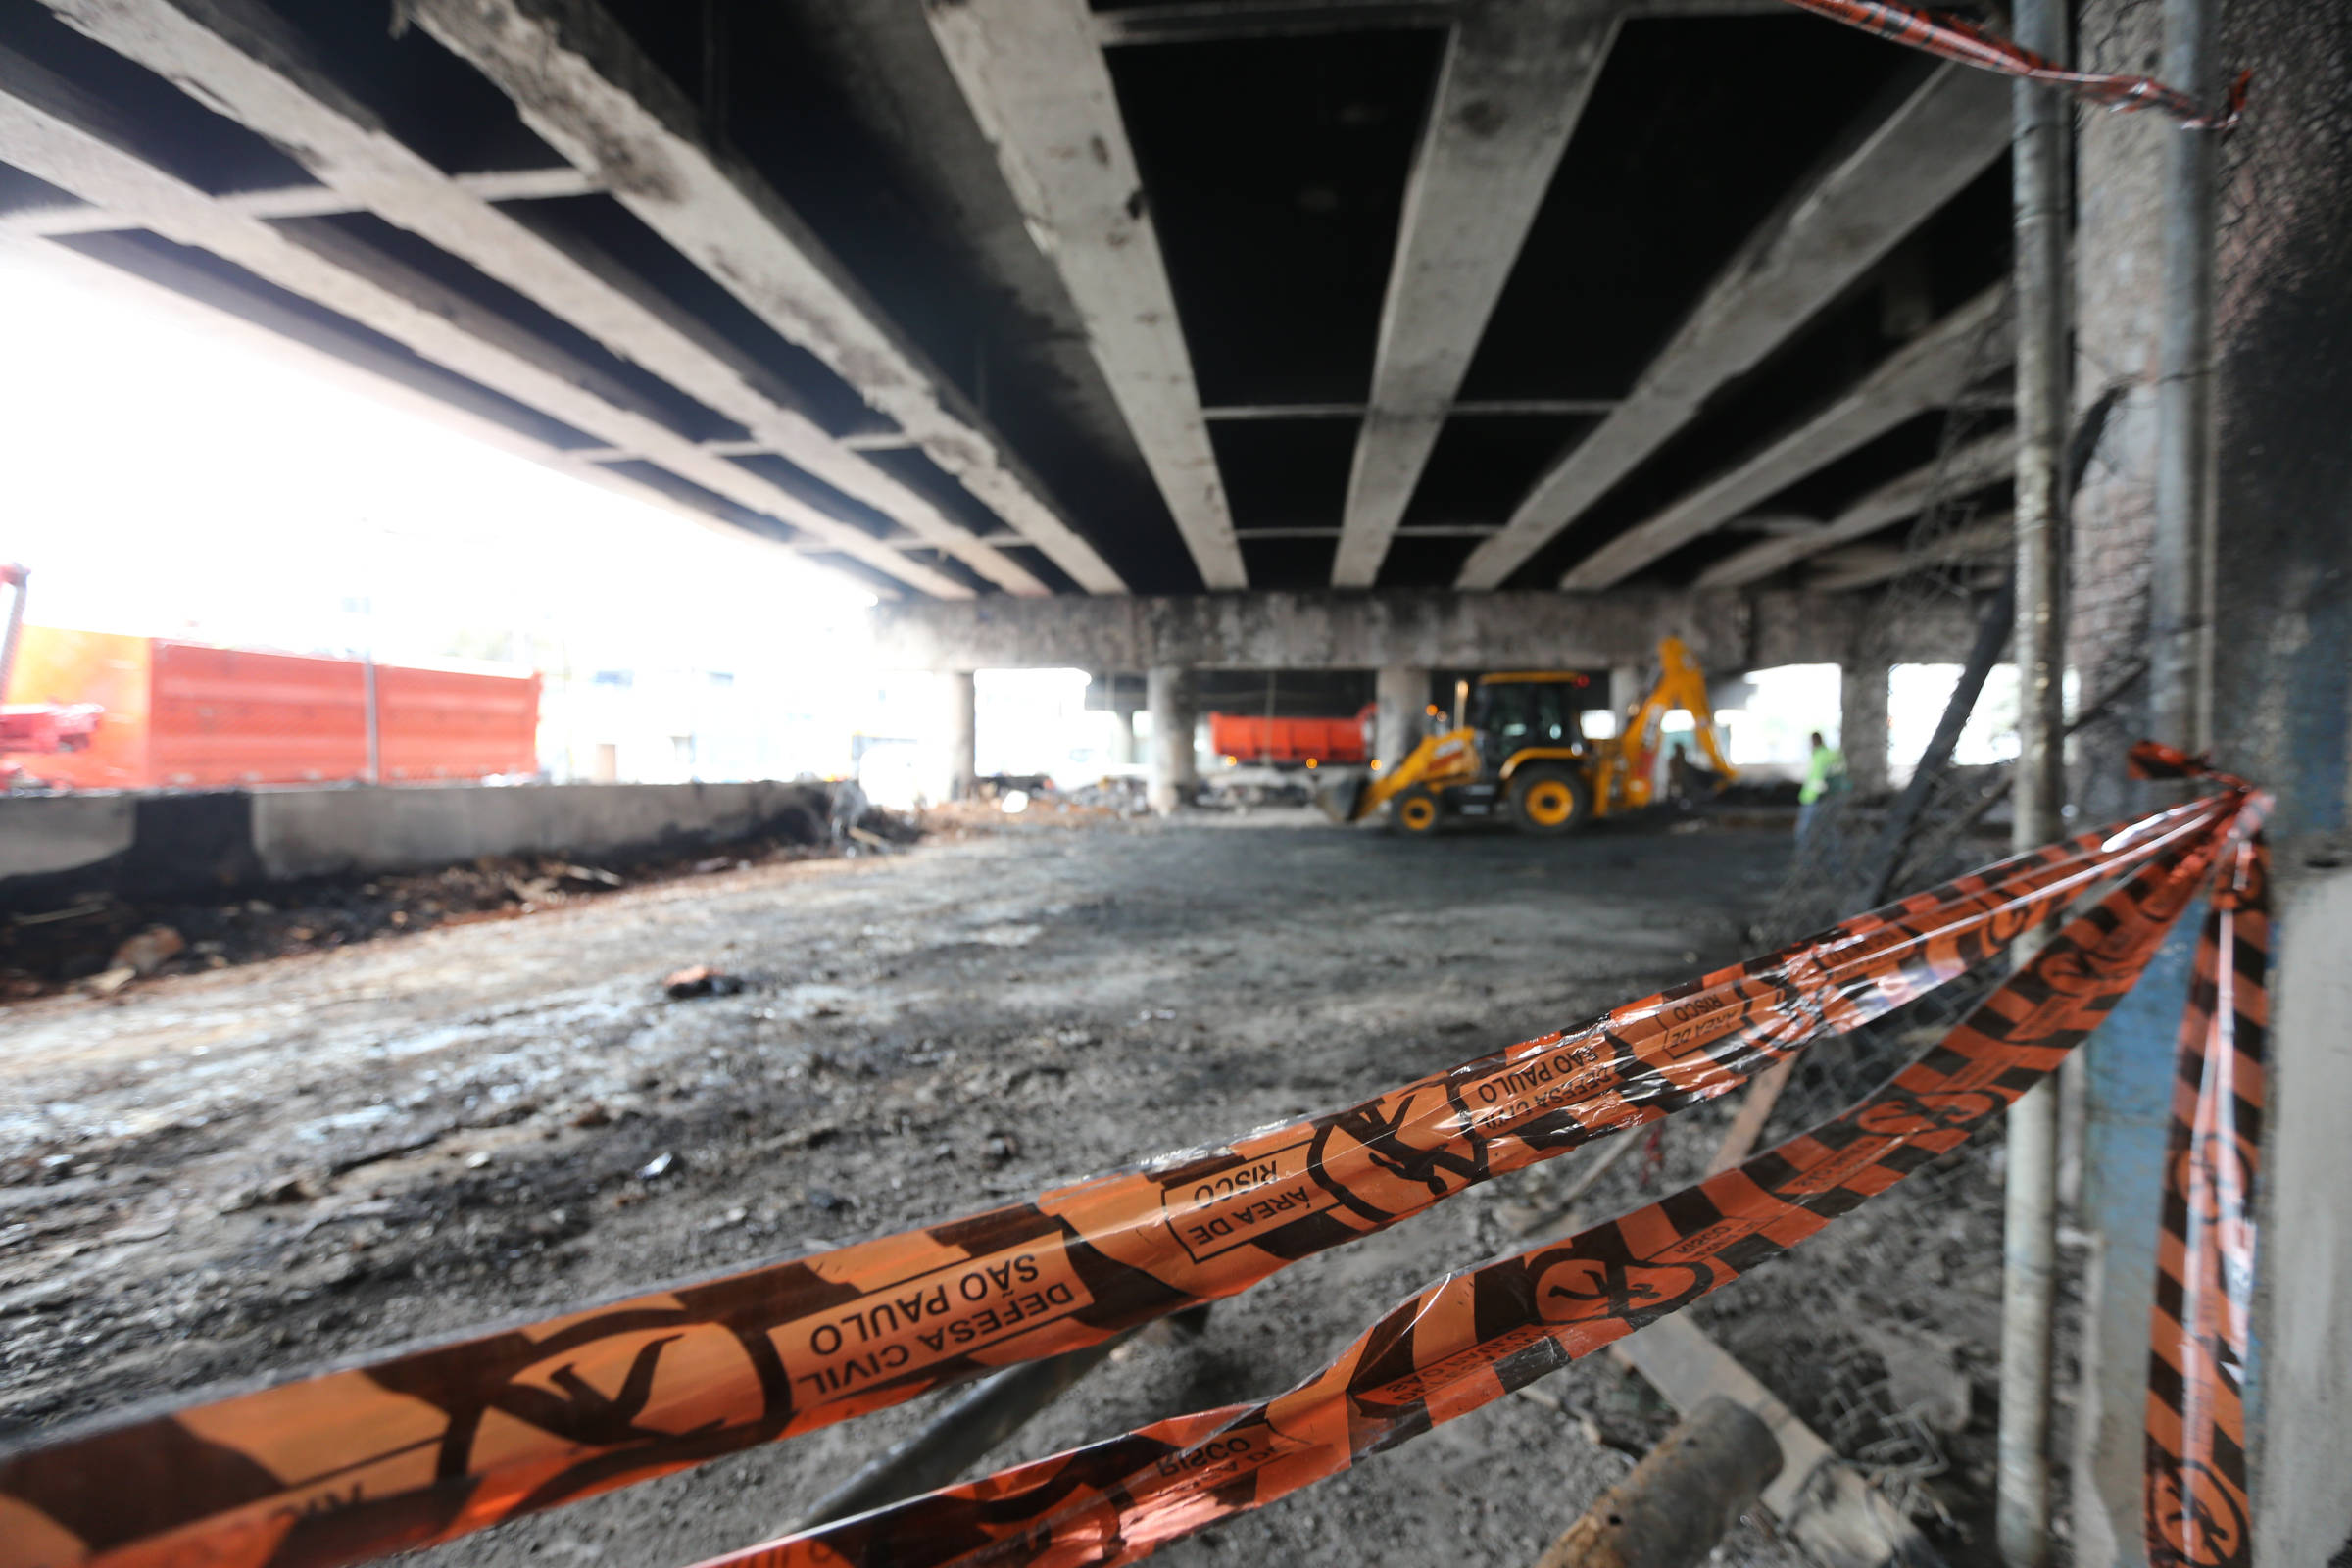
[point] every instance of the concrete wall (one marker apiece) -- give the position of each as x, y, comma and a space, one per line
2282, 684
299, 833
55, 849
63, 832
1430, 630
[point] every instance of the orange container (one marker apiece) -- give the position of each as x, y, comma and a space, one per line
181, 715
1256, 739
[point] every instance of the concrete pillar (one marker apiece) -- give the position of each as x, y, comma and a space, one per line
1168, 694
1400, 695
1626, 688
1130, 752
964, 729
1862, 721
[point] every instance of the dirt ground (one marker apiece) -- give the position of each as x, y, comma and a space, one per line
212, 1175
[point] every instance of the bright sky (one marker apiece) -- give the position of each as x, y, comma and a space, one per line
164, 476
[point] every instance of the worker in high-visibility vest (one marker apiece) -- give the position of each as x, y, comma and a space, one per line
1824, 774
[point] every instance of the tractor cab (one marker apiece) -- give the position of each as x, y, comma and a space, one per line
1519, 715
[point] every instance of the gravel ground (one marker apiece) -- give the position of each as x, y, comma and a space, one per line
209, 1176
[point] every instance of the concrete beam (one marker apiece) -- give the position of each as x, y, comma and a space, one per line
1038, 84
1921, 375
52, 130
589, 93
1972, 466
1857, 566
1427, 629
300, 201
1512, 88
240, 60
1886, 179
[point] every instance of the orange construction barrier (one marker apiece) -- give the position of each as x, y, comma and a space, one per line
189, 716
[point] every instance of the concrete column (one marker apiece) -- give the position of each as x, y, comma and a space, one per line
1401, 693
1130, 752
1626, 688
1862, 721
1168, 694
964, 729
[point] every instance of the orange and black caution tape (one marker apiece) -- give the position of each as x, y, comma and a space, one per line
2198, 1515
1472, 1337
425, 1444
1939, 34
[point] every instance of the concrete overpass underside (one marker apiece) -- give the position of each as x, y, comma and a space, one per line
1011, 299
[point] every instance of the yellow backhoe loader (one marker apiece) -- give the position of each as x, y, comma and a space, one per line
1521, 747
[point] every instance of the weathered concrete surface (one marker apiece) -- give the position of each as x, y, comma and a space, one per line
1400, 695
1879, 184
1862, 721
1042, 92
2282, 680
1925, 373
62, 831
1434, 629
1174, 769
581, 84
1509, 94
55, 849
321, 832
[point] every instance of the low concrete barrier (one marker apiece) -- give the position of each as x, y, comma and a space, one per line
56, 849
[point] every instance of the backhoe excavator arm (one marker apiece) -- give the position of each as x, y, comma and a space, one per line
1627, 765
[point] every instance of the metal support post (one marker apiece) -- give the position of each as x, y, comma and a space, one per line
2030, 1235
2180, 587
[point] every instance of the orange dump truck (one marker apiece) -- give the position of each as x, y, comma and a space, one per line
1288, 741
180, 715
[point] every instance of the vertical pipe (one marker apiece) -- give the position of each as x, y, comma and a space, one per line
17, 580
375, 752
963, 736
2029, 1239
2181, 591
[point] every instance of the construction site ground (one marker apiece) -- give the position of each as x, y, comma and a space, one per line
219, 1175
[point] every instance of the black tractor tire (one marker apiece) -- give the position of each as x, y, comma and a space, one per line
1417, 811
1548, 802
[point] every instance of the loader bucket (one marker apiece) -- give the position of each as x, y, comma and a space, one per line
1340, 794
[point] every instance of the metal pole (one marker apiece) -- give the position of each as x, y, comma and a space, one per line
376, 756
18, 579
2181, 592
2030, 1240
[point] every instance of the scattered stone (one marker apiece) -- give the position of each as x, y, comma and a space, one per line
477, 1159
1000, 1146
149, 950
1077, 1037
593, 1116
659, 1167
701, 980
825, 1201
286, 1190
108, 982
